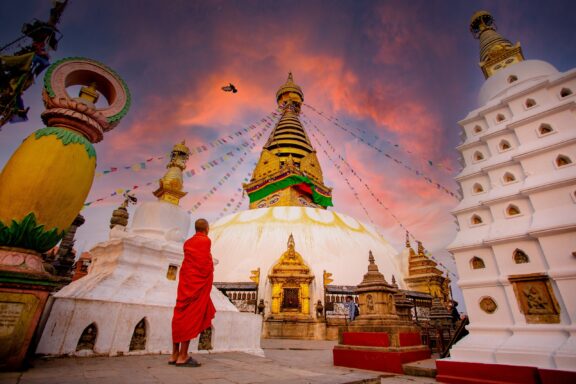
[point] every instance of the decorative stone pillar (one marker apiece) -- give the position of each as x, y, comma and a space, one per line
46, 182
378, 339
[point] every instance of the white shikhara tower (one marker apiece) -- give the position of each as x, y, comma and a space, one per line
516, 246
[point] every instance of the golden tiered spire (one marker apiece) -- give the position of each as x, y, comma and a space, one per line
288, 172
171, 184
496, 52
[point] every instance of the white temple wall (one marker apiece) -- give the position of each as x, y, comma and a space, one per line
517, 103
464, 263
494, 144
475, 128
475, 291
562, 269
468, 187
497, 180
115, 323
469, 153
504, 254
493, 117
545, 195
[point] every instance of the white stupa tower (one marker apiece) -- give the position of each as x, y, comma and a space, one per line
516, 246
124, 305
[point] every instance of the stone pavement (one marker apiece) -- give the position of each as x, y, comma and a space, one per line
286, 361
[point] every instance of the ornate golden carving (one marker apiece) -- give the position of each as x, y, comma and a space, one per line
327, 277
536, 299
255, 275
488, 305
267, 165
290, 279
310, 166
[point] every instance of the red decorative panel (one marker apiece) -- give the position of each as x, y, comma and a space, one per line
376, 360
367, 339
469, 373
408, 339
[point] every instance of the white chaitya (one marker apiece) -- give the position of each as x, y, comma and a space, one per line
130, 280
517, 220
326, 240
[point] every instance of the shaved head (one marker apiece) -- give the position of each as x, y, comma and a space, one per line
201, 225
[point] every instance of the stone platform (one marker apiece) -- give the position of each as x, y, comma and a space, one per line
285, 361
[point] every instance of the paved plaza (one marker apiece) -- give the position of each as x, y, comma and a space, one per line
286, 361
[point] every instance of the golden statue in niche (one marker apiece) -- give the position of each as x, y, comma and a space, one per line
290, 279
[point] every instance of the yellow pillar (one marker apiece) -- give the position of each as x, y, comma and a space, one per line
305, 294
276, 291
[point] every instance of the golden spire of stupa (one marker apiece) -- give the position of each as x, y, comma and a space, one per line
171, 184
496, 52
288, 172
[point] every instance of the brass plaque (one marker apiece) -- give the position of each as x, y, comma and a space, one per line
535, 298
10, 314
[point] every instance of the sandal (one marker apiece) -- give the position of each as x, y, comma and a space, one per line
191, 363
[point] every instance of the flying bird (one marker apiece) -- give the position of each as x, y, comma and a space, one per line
229, 88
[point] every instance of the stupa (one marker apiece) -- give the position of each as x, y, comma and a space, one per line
124, 304
517, 221
288, 240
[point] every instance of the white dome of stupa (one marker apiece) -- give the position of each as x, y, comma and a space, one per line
327, 241
514, 79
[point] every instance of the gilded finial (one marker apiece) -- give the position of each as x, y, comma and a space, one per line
420, 248
255, 275
394, 281
171, 184
496, 52
408, 245
291, 243
327, 278
290, 94
120, 215
370, 257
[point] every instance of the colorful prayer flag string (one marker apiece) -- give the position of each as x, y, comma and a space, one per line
367, 187
428, 179
223, 140
244, 147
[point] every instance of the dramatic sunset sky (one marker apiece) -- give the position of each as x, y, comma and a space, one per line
403, 72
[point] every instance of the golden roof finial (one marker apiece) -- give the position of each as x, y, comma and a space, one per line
290, 91
496, 52
420, 249
171, 184
291, 243
408, 245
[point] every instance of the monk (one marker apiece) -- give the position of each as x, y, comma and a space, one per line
194, 310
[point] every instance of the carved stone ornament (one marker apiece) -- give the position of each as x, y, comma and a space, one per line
535, 298
488, 305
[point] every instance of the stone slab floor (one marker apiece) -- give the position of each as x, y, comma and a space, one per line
286, 361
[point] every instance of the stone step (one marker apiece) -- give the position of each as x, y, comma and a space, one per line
425, 368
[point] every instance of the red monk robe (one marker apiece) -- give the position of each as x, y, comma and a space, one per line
194, 310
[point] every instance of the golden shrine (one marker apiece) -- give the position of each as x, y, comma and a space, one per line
290, 279
290, 315
424, 276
